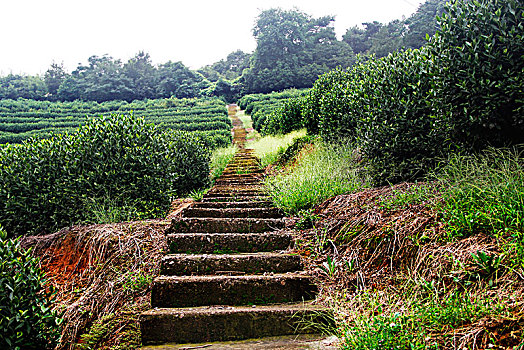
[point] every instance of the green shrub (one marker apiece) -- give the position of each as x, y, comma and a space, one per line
397, 132
479, 72
382, 106
26, 318
285, 118
311, 110
46, 183
464, 90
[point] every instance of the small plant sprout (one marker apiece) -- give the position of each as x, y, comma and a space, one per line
329, 267
489, 264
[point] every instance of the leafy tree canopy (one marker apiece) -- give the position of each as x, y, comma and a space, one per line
293, 48
410, 33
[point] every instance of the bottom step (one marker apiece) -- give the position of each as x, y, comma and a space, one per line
208, 324
287, 342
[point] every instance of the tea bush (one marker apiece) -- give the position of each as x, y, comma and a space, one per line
397, 132
311, 113
479, 72
285, 118
47, 183
463, 90
26, 318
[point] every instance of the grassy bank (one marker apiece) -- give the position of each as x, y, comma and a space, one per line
429, 265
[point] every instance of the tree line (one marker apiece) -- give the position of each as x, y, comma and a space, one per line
293, 49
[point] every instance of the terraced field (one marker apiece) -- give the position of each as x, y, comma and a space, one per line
23, 119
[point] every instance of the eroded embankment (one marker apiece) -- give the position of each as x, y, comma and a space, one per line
395, 276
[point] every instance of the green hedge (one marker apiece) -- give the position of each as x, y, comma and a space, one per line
285, 118
122, 159
479, 72
465, 90
22, 119
26, 317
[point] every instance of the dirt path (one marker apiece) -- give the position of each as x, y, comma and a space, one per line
227, 275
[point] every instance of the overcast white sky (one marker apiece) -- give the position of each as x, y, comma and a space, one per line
34, 33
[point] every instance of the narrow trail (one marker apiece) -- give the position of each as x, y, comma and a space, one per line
227, 275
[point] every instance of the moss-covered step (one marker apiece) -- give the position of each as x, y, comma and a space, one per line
232, 204
268, 213
235, 199
219, 225
238, 193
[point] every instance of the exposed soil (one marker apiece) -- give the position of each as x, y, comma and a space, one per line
101, 271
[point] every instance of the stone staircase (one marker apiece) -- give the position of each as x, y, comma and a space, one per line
227, 275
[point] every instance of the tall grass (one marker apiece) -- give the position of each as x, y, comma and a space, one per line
483, 192
219, 159
410, 320
269, 148
325, 172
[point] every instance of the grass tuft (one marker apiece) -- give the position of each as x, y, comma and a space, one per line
325, 172
483, 192
269, 148
219, 159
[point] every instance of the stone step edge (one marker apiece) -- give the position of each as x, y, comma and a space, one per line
185, 291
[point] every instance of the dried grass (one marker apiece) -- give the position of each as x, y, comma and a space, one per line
391, 249
98, 269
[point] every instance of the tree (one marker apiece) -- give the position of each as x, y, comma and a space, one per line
292, 50
22, 86
175, 79
102, 80
230, 68
140, 72
359, 39
54, 77
106, 81
422, 23
382, 39
389, 38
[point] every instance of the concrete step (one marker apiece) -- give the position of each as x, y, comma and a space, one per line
208, 324
232, 204
220, 225
237, 186
185, 291
235, 199
238, 189
312, 341
243, 184
240, 182
239, 176
243, 165
209, 264
240, 193
201, 243
239, 162
235, 172
268, 213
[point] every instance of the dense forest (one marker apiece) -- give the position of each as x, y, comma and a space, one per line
293, 49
